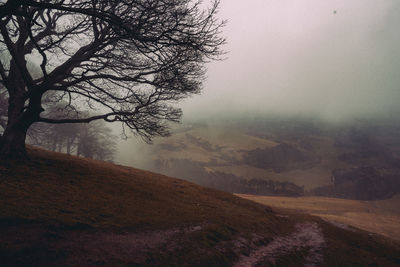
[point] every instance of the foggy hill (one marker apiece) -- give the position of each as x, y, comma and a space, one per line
64, 210
283, 156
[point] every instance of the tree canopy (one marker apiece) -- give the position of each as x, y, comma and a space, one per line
127, 60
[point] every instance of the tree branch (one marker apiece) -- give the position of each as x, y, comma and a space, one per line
89, 119
17, 57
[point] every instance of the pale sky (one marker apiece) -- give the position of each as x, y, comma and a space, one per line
298, 57
336, 58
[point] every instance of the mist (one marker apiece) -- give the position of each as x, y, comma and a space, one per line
315, 81
332, 59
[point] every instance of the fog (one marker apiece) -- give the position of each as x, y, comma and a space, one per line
338, 59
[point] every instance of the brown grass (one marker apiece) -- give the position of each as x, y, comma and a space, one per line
381, 217
53, 190
72, 190
57, 190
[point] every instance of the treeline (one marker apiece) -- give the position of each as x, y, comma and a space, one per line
362, 183
195, 172
91, 140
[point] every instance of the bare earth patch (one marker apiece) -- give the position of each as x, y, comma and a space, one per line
307, 236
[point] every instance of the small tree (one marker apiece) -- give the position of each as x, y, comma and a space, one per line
129, 60
95, 141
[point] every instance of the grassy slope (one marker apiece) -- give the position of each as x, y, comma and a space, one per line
55, 189
381, 217
70, 190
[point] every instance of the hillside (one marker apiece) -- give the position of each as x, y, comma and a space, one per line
283, 157
212, 154
232, 160
379, 216
60, 210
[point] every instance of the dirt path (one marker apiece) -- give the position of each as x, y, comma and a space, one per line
307, 236
89, 247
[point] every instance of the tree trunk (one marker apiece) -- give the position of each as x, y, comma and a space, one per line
70, 142
79, 149
13, 144
20, 115
68, 147
19, 120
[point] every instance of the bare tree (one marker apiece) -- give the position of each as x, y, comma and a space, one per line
91, 140
96, 141
3, 109
129, 60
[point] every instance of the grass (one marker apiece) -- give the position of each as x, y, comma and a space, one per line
65, 196
357, 248
381, 216
57, 190
54, 187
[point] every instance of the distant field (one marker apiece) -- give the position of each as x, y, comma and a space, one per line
222, 150
204, 144
381, 217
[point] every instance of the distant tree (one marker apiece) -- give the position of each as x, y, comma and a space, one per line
96, 141
54, 136
3, 110
129, 60
91, 140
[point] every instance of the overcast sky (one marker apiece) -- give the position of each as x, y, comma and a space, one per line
336, 58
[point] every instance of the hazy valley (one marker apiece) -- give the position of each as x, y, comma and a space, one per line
284, 156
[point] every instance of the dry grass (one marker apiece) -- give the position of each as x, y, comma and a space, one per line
381, 217
57, 190
72, 190
53, 190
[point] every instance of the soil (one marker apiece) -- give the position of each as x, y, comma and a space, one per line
307, 236
88, 247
